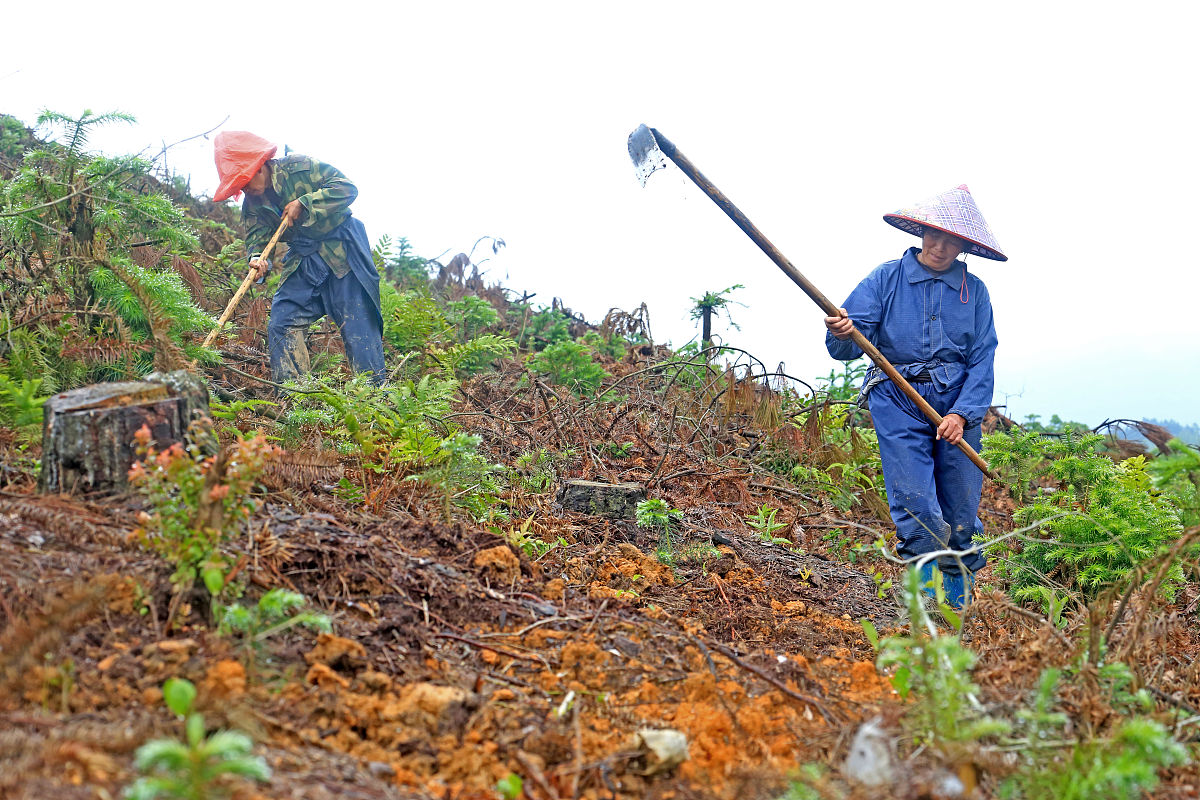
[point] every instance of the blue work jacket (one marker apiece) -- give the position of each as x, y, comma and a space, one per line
927, 321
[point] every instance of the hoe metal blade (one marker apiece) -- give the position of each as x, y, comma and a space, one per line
646, 154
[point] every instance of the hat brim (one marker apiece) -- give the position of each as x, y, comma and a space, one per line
234, 184
918, 228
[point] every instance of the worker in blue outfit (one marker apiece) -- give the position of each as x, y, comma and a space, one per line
932, 319
328, 269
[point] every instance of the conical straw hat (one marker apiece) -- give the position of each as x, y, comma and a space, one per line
952, 212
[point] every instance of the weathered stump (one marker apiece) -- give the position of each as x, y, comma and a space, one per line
613, 500
87, 433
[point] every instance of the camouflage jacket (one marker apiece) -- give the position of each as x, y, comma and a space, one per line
326, 196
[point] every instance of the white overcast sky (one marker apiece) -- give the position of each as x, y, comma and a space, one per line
1073, 123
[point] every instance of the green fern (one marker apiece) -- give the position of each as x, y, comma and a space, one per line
411, 320
475, 355
21, 402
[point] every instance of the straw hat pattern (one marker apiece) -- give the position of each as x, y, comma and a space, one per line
952, 212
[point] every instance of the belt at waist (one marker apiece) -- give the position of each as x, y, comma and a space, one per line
921, 377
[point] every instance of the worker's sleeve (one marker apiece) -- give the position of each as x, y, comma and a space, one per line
865, 307
326, 192
977, 390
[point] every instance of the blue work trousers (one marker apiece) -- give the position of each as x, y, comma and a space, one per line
311, 293
933, 489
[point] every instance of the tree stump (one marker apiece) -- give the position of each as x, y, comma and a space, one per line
613, 500
87, 433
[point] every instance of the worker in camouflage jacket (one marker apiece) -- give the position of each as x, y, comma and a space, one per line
327, 270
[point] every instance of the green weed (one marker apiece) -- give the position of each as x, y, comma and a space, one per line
763, 521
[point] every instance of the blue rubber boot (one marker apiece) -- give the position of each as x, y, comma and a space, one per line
960, 589
929, 581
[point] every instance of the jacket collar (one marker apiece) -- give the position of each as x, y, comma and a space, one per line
916, 272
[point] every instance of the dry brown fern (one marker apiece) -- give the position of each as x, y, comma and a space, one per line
58, 518
24, 644
21, 751
301, 469
190, 276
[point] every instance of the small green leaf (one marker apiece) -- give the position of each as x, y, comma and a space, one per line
872, 634
951, 616
510, 786
195, 729
214, 580
179, 694
900, 682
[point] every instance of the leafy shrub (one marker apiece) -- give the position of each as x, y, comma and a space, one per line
397, 264
614, 346
198, 502
12, 137
411, 319
21, 404
547, 327
1099, 523
196, 768
163, 290
569, 364
79, 213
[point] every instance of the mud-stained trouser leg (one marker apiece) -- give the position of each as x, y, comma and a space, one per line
296, 305
352, 311
933, 488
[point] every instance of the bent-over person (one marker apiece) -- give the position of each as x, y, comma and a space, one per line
328, 269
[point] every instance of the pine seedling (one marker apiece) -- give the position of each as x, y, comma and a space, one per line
198, 767
657, 515
275, 612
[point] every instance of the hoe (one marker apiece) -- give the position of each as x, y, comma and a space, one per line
650, 150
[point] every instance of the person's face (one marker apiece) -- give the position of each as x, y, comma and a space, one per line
258, 184
938, 250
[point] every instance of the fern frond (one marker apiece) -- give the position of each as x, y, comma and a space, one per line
477, 354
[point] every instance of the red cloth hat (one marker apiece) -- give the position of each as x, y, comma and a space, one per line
239, 154
954, 212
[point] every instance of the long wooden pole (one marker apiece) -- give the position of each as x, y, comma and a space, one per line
237, 296
781, 261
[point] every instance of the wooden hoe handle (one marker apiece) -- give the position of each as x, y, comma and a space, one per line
781, 261
237, 296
